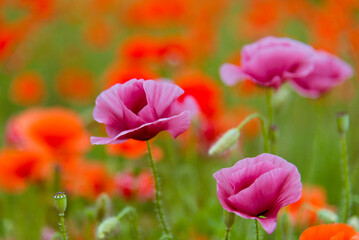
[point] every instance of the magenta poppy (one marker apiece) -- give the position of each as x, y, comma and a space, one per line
269, 62
257, 188
139, 110
329, 71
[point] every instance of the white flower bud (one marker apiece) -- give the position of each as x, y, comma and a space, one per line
225, 142
108, 228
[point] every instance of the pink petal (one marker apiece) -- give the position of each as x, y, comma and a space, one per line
231, 74
133, 95
174, 125
161, 96
269, 224
111, 111
329, 71
259, 198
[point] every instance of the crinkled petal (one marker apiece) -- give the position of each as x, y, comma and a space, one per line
174, 125
111, 111
259, 198
161, 96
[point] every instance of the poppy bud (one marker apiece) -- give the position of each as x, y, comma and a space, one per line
327, 216
60, 201
354, 222
108, 228
225, 142
103, 207
343, 122
229, 218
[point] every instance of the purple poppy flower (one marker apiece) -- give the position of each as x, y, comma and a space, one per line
257, 188
329, 71
139, 110
269, 62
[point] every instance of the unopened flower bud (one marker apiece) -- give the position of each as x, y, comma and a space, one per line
103, 207
327, 216
225, 142
343, 122
354, 222
108, 228
60, 200
229, 218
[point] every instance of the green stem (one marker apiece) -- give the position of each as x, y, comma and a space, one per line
258, 236
264, 130
158, 201
228, 230
133, 219
62, 226
270, 117
345, 173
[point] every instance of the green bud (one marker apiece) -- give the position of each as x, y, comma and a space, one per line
354, 222
225, 142
229, 218
103, 207
327, 216
343, 122
60, 201
108, 228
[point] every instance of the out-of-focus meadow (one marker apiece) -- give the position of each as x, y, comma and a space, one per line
56, 56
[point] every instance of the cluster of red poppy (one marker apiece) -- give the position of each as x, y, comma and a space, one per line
41, 141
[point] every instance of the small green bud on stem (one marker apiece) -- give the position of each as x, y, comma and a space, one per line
225, 142
108, 228
343, 122
327, 216
60, 200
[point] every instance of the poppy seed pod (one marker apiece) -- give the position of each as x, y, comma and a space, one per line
60, 200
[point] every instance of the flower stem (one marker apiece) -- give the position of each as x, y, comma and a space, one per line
264, 130
227, 233
133, 219
270, 118
345, 173
62, 226
258, 237
158, 201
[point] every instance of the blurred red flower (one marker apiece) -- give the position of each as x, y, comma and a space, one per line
304, 212
140, 187
58, 132
86, 179
18, 168
77, 85
27, 89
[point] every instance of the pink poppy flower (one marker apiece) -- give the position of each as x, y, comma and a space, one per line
329, 71
257, 188
139, 110
269, 62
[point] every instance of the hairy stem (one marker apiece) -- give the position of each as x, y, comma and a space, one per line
62, 226
158, 201
258, 236
228, 230
345, 173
